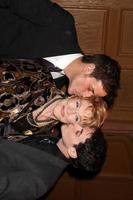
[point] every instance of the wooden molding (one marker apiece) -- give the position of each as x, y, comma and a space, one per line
120, 127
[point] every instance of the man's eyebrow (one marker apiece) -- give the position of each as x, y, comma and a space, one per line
92, 89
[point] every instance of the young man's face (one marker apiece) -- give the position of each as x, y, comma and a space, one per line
86, 86
71, 110
73, 134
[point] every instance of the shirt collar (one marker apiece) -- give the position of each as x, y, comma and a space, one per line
63, 60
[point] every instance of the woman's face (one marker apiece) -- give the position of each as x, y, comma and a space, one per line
71, 110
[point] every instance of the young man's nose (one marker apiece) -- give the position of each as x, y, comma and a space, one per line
88, 94
77, 127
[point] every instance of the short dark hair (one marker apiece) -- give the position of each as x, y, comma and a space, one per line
108, 71
91, 154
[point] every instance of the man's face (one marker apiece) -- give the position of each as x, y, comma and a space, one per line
73, 134
71, 110
86, 86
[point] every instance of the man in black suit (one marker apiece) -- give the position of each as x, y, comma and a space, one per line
40, 28
28, 171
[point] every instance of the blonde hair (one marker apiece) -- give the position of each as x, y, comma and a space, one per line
96, 112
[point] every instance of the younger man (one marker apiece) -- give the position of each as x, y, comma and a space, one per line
29, 170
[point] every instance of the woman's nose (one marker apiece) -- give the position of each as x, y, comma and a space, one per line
71, 110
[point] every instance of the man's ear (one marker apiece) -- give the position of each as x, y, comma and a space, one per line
89, 68
72, 152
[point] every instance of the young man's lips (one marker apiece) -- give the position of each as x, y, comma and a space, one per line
75, 92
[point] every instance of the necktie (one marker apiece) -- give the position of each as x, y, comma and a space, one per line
51, 67
61, 81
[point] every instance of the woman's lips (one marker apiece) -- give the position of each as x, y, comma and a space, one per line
63, 111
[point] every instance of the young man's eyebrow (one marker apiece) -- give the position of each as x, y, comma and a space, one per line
81, 131
92, 89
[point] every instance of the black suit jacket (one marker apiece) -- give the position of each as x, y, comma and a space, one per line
36, 28
26, 173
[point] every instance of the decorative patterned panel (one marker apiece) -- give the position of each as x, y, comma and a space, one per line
91, 28
126, 35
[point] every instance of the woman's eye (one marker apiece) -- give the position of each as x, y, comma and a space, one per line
77, 104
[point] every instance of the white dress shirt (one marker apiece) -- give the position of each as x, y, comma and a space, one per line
62, 62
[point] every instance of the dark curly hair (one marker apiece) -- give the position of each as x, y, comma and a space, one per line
108, 71
91, 154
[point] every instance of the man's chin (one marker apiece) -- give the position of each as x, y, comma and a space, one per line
69, 91
72, 91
